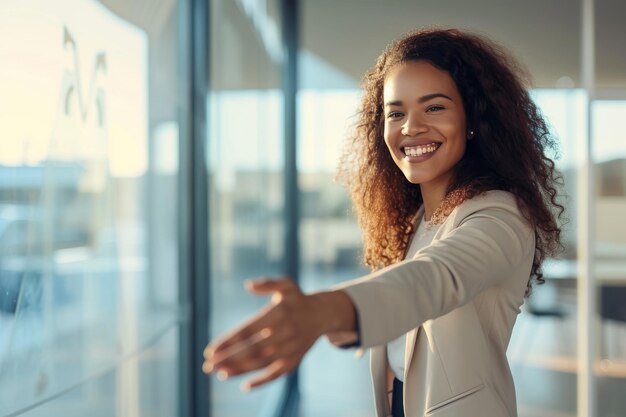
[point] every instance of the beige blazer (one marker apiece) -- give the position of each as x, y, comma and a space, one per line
458, 299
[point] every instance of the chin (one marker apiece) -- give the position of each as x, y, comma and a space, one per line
414, 178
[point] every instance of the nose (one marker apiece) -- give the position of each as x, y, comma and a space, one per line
412, 126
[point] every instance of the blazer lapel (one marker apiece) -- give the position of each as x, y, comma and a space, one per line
378, 369
411, 339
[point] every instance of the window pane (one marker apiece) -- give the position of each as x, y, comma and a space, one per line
133, 387
246, 175
88, 214
331, 380
609, 153
543, 350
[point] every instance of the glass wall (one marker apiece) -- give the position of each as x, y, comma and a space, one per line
89, 307
609, 256
246, 176
543, 349
330, 239
608, 152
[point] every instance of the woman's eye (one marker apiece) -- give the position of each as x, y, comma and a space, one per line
435, 107
394, 115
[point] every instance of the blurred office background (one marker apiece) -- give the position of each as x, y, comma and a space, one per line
154, 154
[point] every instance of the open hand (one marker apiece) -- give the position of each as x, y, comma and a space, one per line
274, 340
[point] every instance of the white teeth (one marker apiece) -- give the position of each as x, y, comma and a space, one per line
420, 150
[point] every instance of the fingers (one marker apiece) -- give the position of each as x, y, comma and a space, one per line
268, 286
264, 319
274, 340
255, 353
240, 334
274, 371
277, 355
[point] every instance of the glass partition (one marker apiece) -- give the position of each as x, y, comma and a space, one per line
89, 309
246, 177
543, 349
331, 244
609, 257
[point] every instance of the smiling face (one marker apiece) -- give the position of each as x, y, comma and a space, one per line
425, 128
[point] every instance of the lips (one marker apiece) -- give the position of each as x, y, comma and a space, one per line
419, 150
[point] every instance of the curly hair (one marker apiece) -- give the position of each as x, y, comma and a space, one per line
508, 152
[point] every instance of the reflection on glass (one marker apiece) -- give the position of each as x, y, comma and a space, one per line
101, 397
77, 296
609, 153
331, 239
331, 246
246, 176
543, 348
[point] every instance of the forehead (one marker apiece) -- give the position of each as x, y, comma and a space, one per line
417, 78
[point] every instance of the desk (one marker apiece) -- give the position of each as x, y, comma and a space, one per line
605, 271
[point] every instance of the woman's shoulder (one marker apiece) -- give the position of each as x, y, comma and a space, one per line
497, 197
493, 200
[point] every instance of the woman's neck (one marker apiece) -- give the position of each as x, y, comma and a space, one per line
432, 196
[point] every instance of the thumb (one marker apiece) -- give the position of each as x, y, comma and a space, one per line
267, 286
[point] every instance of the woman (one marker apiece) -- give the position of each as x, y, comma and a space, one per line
456, 195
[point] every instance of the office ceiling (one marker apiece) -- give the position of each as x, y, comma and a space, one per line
544, 34
342, 38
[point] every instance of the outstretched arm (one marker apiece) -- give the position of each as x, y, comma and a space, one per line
280, 334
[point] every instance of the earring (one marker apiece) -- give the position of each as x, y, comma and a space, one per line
470, 136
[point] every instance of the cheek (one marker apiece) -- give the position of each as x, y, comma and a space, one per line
459, 147
460, 151
391, 133
458, 136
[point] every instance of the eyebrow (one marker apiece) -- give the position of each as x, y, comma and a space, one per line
422, 99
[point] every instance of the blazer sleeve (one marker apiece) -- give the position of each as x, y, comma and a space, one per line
479, 253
